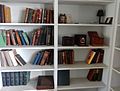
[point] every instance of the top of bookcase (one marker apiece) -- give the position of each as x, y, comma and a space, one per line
102, 2
28, 1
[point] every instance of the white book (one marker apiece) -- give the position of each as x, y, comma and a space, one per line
12, 56
8, 58
3, 59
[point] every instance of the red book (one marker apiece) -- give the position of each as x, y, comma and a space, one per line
91, 74
8, 37
34, 38
37, 36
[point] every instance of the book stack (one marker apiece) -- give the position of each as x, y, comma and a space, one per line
95, 56
5, 14
41, 36
66, 57
95, 74
44, 57
39, 15
45, 82
15, 78
9, 57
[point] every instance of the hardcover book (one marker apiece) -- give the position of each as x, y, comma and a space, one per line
45, 82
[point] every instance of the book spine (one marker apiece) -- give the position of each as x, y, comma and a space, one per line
12, 82
8, 37
4, 79
7, 78
4, 61
26, 38
7, 14
12, 56
25, 78
20, 60
21, 79
22, 38
36, 59
18, 38
26, 15
17, 78
8, 58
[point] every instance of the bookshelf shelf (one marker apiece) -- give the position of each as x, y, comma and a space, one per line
80, 65
117, 48
28, 67
75, 84
27, 47
116, 88
86, 1
82, 47
25, 24
28, 1
86, 25
117, 70
31, 86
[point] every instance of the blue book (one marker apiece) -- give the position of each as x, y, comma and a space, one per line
26, 77
40, 58
7, 74
12, 82
21, 80
22, 38
37, 57
17, 78
4, 79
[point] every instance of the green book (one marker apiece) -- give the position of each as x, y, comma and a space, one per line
2, 38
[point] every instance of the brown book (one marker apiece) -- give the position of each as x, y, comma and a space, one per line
101, 56
44, 58
91, 74
37, 36
45, 82
8, 37
26, 15
34, 16
18, 38
3, 19
12, 33
7, 14
90, 56
34, 38
48, 16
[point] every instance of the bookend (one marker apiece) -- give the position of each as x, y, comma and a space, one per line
67, 41
95, 40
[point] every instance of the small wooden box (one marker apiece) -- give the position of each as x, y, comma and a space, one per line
80, 39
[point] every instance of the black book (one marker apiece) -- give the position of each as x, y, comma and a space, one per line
63, 77
20, 60
45, 82
100, 72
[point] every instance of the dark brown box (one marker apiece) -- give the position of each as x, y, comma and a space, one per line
67, 41
95, 40
80, 39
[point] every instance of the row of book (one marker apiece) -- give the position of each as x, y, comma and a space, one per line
39, 15
95, 74
44, 57
66, 57
41, 36
15, 78
5, 14
9, 57
95, 56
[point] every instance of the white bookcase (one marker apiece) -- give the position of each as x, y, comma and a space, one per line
83, 13
115, 65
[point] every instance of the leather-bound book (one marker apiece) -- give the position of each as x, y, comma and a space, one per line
45, 82
63, 77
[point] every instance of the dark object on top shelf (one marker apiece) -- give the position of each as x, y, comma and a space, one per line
62, 18
80, 39
45, 82
95, 40
100, 13
109, 20
67, 41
